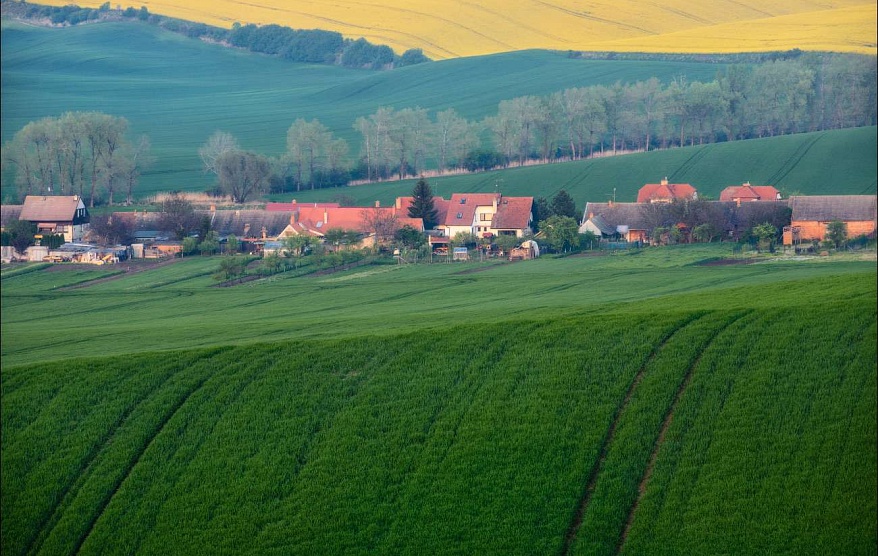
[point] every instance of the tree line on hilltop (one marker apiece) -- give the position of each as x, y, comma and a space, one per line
88, 153
298, 45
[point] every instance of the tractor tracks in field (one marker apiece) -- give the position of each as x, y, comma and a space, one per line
585, 499
666, 424
666, 419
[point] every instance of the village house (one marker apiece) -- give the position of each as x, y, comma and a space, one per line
665, 192
811, 214
374, 224
487, 215
63, 215
747, 193
622, 221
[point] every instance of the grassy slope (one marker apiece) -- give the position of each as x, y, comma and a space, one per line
839, 162
175, 308
459, 28
462, 438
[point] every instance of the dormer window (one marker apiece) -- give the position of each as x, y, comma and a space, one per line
460, 215
463, 200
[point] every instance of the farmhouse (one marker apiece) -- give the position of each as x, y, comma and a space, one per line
487, 215
59, 214
626, 221
747, 193
811, 214
665, 192
374, 223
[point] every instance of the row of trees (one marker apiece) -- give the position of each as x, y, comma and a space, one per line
83, 153
775, 98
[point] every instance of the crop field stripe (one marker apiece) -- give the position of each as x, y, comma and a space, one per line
65, 532
585, 499
51, 518
666, 423
239, 375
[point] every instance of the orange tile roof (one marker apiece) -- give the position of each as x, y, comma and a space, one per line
749, 192
513, 213
464, 204
665, 191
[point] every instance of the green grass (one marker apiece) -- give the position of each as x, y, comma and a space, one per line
173, 307
420, 409
839, 162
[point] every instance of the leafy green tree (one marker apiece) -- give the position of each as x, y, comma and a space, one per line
836, 233
190, 246
210, 244
588, 240
232, 244
464, 239
422, 204
561, 232
705, 233
20, 235
230, 267
409, 237
766, 234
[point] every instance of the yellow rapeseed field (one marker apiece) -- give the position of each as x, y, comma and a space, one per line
454, 28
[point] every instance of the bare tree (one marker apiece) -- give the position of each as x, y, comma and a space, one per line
241, 174
217, 145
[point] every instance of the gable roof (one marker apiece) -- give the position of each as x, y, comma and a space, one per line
513, 213
618, 214
465, 204
54, 208
664, 190
747, 192
598, 222
825, 208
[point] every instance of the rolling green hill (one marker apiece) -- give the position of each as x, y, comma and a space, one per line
635, 403
179, 91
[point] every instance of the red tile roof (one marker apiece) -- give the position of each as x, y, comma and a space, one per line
749, 192
513, 213
464, 204
665, 191
286, 207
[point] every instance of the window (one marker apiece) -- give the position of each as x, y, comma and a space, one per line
463, 200
485, 216
460, 215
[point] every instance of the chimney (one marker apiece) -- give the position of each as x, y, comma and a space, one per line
212, 208
665, 180
377, 204
325, 217
611, 203
398, 203
494, 202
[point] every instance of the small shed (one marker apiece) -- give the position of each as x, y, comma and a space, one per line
460, 254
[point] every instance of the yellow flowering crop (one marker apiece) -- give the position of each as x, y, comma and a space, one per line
455, 28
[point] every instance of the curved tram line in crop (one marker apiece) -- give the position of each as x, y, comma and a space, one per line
695, 322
